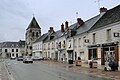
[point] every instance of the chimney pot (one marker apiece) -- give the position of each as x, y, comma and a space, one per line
80, 21
62, 27
66, 25
51, 29
103, 9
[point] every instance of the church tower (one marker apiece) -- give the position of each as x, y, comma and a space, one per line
33, 32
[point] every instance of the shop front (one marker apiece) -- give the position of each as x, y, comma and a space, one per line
104, 53
109, 53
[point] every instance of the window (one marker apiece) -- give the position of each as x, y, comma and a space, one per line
5, 50
56, 45
59, 44
48, 46
13, 54
108, 34
16, 50
94, 36
75, 43
64, 41
36, 34
63, 44
12, 45
84, 40
44, 47
22, 45
33, 34
30, 47
17, 45
92, 54
69, 45
79, 42
12, 50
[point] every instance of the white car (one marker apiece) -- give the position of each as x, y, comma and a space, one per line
36, 58
13, 58
27, 60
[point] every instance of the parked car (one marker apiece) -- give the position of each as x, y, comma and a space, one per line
36, 58
20, 58
12, 57
27, 60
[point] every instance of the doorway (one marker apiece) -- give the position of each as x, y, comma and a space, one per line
109, 55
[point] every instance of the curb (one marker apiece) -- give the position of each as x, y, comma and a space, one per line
10, 76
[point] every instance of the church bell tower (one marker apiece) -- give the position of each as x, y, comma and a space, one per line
33, 32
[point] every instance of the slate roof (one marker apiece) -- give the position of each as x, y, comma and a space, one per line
21, 43
111, 16
42, 38
12, 44
59, 34
83, 28
47, 39
33, 24
88, 24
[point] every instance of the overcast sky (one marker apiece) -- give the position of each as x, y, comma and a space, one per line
15, 15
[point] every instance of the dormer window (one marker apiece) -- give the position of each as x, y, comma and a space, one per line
17, 45
22, 45
51, 37
12, 45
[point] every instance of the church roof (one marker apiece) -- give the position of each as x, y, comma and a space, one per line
33, 24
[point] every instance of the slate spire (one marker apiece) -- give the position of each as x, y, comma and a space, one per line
33, 24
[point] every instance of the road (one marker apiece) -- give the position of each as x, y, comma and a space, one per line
42, 71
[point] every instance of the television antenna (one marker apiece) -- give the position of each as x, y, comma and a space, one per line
76, 14
98, 1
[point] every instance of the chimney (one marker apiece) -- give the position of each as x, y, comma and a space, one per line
66, 25
103, 10
80, 21
62, 27
51, 29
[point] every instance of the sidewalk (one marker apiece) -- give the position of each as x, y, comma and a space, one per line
3, 72
99, 72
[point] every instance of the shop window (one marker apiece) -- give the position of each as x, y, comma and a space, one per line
92, 54
106, 49
111, 48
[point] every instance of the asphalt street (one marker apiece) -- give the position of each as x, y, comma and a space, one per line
42, 71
